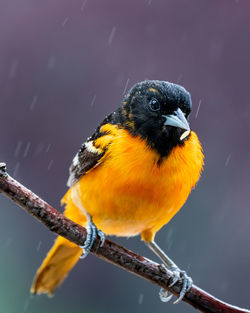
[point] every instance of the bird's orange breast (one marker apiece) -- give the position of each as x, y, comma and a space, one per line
129, 193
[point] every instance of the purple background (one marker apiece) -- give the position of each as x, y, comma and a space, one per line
64, 65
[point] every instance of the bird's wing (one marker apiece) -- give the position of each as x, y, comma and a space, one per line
92, 152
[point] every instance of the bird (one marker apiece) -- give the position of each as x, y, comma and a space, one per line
130, 178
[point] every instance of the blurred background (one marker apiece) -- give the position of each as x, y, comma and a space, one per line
64, 65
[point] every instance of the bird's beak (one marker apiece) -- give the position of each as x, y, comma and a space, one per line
178, 120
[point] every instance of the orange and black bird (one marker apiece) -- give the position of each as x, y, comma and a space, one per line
130, 178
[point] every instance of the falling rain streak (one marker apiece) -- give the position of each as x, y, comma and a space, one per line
50, 164
179, 78
16, 170
93, 100
48, 148
227, 160
65, 21
18, 148
26, 150
39, 246
141, 297
198, 109
112, 35
83, 5
126, 86
51, 62
33, 102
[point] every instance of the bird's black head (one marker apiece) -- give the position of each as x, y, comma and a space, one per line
157, 111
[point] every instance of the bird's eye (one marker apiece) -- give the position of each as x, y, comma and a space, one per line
154, 105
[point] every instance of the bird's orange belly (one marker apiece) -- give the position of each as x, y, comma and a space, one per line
128, 196
127, 208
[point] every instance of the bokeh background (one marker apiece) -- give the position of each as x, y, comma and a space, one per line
64, 65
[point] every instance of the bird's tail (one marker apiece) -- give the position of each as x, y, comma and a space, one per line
61, 258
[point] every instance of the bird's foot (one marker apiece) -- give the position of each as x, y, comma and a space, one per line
163, 294
92, 232
181, 276
102, 237
185, 280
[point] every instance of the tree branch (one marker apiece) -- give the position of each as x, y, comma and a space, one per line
110, 252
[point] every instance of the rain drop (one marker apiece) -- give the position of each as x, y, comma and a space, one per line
93, 100
16, 170
65, 21
112, 35
39, 246
27, 148
198, 109
227, 160
140, 300
83, 5
48, 148
50, 164
51, 62
33, 102
18, 148
126, 86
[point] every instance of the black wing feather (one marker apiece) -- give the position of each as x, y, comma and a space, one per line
86, 159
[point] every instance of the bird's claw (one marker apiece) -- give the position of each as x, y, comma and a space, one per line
186, 285
92, 232
176, 276
102, 237
164, 295
186, 282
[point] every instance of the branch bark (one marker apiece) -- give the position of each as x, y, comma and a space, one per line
110, 251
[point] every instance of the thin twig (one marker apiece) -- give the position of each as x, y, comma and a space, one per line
111, 252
